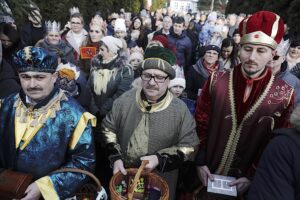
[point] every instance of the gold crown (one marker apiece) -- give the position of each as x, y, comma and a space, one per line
53, 26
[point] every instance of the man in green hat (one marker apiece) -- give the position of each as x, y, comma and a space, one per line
150, 123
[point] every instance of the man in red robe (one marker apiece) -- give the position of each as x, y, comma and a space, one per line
238, 110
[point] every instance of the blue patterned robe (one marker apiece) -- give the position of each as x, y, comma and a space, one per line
63, 140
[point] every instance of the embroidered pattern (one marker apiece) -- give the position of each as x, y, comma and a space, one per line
230, 149
281, 94
39, 115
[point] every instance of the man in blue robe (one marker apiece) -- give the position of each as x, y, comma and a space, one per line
43, 129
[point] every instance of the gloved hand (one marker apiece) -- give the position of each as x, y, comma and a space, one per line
153, 162
119, 166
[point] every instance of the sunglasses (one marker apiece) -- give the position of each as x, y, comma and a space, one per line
276, 57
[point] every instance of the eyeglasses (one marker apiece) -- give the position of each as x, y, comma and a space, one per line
76, 23
276, 57
156, 78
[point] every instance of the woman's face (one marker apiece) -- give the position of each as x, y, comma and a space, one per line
226, 52
95, 33
105, 53
6, 42
76, 25
137, 24
53, 37
294, 52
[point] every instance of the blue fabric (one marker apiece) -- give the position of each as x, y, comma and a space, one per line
49, 149
35, 59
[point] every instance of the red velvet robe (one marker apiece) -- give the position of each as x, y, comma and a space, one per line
233, 133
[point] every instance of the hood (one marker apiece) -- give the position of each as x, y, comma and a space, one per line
120, 61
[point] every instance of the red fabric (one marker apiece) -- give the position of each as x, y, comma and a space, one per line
263, 21
212, 68
202, 114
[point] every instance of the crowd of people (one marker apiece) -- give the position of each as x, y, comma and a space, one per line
191, 93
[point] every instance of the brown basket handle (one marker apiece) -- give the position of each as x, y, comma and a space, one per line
136, 179
92, 176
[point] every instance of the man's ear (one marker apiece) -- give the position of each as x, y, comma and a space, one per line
55, 76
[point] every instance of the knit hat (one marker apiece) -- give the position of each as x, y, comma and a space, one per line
162, 39
112, 43
179, 79
263, 27
35, 59
295, 42
212, 47
212, 16
160, 58
120, 25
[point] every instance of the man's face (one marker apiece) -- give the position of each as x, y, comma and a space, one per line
53, 37
76, 25
95, 33
178, 28
210, 57
152, 89
231, 20
127, 23
254, 59
167, 23
37, 85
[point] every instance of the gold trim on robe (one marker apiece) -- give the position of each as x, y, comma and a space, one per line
81, 125
230, 149
46, 188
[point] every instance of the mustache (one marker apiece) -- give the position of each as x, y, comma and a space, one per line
250, 63
34, 89
152, 88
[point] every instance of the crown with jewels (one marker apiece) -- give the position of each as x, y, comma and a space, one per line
74, 10
53, 26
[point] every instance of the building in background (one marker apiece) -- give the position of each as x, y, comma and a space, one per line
184, 5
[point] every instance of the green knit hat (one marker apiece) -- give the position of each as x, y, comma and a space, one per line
157, 57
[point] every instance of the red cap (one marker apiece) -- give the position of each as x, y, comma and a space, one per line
263, 27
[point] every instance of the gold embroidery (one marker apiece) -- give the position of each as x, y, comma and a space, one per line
259, 37
281, 94
230, 149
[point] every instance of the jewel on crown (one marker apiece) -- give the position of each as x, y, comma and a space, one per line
74, 10
53, 26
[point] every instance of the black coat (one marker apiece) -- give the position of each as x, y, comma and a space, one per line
278, 174
9, 82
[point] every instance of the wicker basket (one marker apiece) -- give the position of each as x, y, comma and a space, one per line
153, 179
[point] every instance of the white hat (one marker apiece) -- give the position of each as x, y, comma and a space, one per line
136, 55
112, 43
179, 79
212, 16
120, 25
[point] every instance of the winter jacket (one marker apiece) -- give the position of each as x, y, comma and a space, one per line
9, 82
119, 82
196, 78
278, 174
30, 35
291, 79
183, 46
